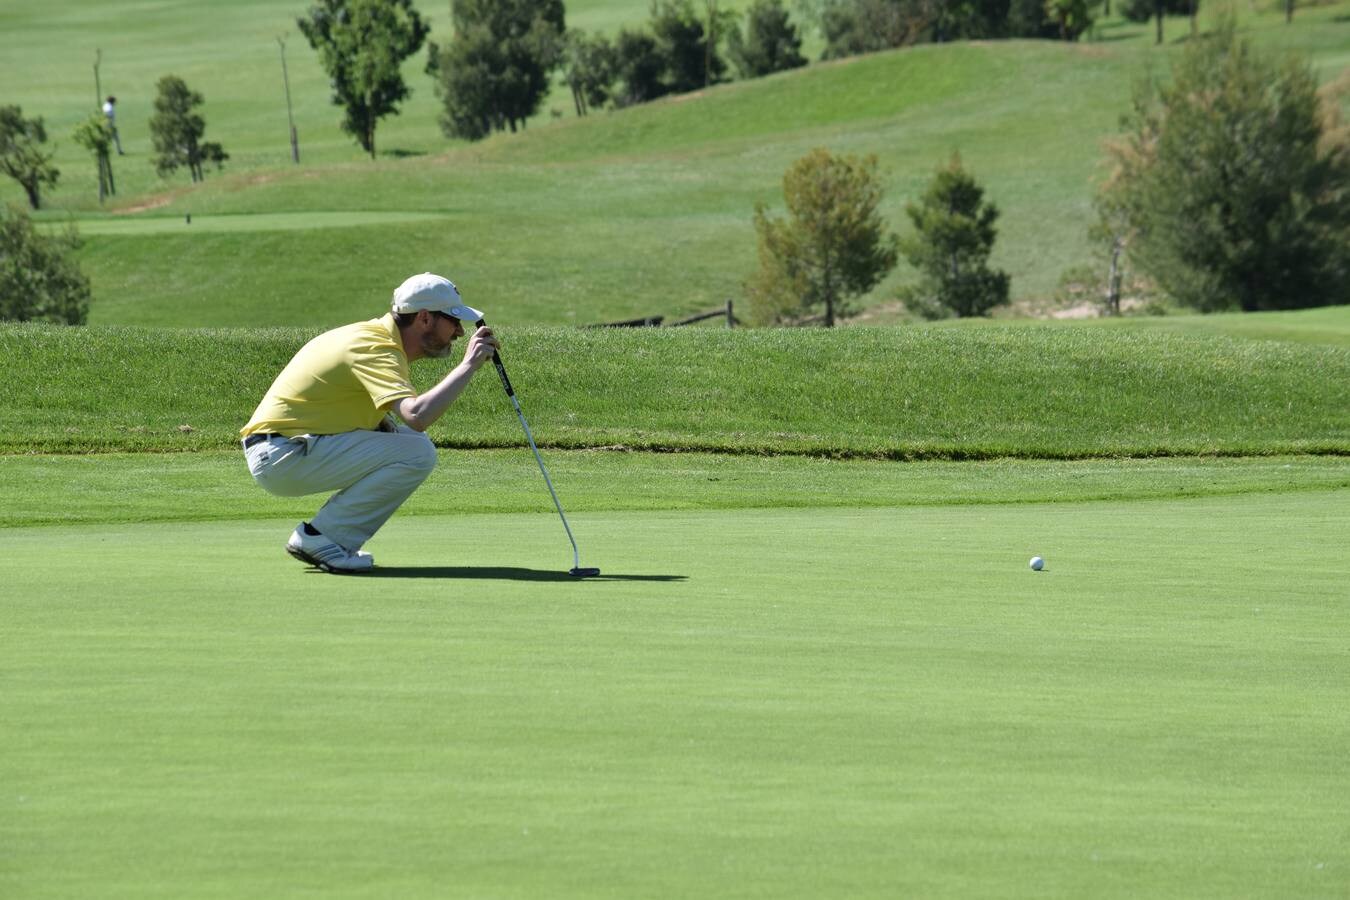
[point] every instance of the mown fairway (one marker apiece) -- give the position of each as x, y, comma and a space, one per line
816, 663
776, 702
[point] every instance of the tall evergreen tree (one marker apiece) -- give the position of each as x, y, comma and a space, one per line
953, 236
1237, 195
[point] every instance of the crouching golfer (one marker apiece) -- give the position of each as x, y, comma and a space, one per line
324, 424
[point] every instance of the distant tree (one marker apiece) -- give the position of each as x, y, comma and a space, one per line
95, 134
1143, 10
21, 156
1030, 19
770, 43
640, 68
953, 236
853, 27
1235, 189
39, 281
832, 246
1071, 17
176, 130
362, 45
495, 71
589, 67
687, 45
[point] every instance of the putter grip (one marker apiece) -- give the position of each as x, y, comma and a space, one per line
497, 361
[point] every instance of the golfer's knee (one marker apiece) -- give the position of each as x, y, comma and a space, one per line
423, 456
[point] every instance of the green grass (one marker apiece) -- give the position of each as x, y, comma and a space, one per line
214, 485
1327, 325
809, 669
787, 703
646, 211
901, 393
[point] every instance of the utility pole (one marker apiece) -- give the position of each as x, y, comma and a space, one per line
98, 85
290, 117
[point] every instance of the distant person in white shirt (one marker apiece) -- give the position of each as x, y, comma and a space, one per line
110, 113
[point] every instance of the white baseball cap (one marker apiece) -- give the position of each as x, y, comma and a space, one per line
433, 293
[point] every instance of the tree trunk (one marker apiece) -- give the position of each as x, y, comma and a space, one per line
370, 127
1195, 10
1288, 11
581, 106
107, 164
1159, 9
34, 199
1113, 279
102, 178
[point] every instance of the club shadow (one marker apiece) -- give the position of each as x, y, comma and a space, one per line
503, 573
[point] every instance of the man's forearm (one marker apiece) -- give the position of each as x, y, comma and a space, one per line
422, 411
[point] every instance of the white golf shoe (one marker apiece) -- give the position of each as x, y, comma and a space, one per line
321, 553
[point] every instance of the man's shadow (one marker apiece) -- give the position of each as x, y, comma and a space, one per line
503, 573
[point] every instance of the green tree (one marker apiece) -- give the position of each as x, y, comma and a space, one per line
1237, 195
832, 246
177, 129
495, 71
589, 65
362, 45
853, 27
953, 236
770, 43
687, 44
639, 67
1143, 10
39, 281
21, 156
1071, 17
95, 134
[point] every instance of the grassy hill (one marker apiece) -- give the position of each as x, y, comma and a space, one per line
1017, 391
637, 212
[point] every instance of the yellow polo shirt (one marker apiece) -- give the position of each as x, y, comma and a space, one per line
343, 380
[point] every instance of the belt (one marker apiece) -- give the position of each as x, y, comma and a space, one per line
258, 439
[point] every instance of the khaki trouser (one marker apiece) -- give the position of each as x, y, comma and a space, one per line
373, 472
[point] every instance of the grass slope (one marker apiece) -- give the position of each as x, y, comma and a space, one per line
639, 212
1328, 325
788, 703
906, 393
214, 485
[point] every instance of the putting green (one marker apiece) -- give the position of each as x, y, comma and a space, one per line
801, 702
180, 224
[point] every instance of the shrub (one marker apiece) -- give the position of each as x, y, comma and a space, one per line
39, 282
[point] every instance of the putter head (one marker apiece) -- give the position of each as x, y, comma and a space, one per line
583, 573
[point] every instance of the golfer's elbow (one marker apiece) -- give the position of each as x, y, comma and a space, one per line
415, 415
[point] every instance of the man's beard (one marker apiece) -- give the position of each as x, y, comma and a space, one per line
430, 348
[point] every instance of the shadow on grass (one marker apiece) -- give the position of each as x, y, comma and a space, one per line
502, 573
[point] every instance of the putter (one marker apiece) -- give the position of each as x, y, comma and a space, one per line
576, 571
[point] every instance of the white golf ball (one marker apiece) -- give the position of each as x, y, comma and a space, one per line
1037, 563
